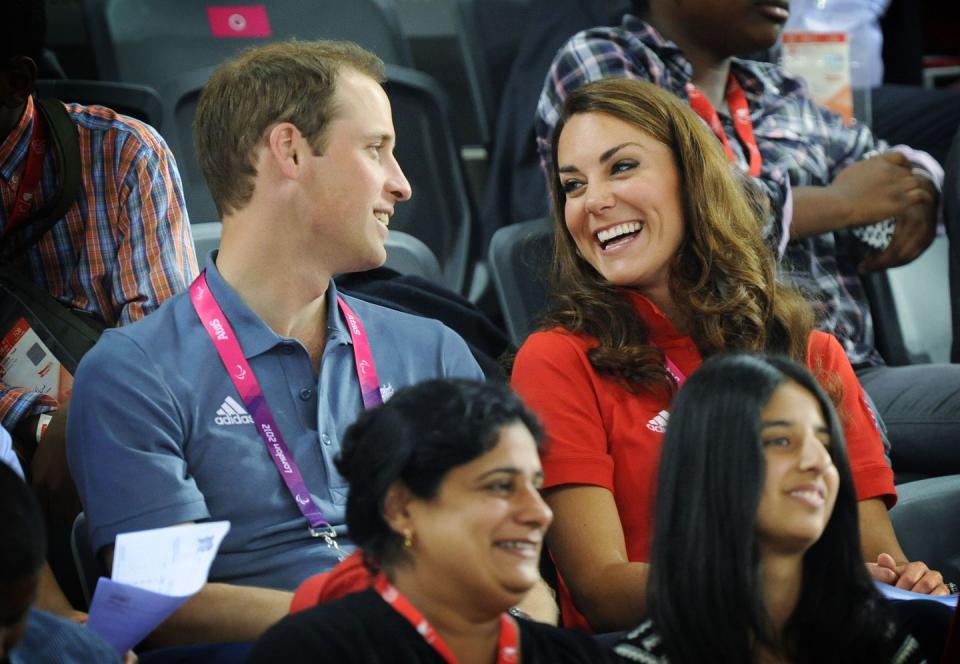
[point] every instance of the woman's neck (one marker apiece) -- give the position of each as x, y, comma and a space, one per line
472, 633
664, 301
782, 578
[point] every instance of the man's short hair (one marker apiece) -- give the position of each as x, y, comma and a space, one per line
23, 29
291, 81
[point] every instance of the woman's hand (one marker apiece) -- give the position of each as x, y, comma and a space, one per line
914, 576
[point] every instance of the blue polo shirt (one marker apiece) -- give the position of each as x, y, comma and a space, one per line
158, 434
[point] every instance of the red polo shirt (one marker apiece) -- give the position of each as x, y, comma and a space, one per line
598, 433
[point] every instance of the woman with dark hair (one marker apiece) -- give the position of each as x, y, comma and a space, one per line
659, 263
755, 554
445, 504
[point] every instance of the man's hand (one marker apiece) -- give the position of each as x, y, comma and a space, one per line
878, 188
915, 576
51, 476
915, 230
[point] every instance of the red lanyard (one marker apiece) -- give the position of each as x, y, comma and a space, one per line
507, 650
235, 362
30, 177
737, 101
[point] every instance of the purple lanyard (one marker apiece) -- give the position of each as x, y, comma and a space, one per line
234, 361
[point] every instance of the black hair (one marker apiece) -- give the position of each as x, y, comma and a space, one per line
23, 29
416, 438
704, 593
24, 537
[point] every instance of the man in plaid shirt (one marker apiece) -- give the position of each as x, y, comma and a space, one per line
122, 248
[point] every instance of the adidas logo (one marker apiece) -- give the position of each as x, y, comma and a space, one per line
231, 412
659, 421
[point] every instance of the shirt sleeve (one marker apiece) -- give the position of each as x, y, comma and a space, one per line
458, 361
840, 144
126, 439
7, 455
555, 380
17, 403
155, 257
872, 474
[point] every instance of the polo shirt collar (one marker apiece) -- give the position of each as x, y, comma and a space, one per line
254, 335
661, 329
14, 146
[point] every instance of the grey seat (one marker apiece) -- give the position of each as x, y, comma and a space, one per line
440, 214
519, 259
911, 308
88, 566
152, 41
137, 101
181, 95
925, 519
206, 238
405, 253
408, 255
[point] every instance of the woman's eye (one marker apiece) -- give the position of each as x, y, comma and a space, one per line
500, 488
570, 186
375, 150
781, 441
623, 165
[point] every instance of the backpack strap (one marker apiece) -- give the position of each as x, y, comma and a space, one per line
65, 142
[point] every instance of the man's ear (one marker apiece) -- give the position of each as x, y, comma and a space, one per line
286, 144
19, 79
395, 505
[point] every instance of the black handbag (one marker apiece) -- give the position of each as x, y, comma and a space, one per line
67, 332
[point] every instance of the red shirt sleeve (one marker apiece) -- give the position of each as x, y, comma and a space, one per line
872, 474
553, 377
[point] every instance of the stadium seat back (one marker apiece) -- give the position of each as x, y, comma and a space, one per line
152, 41
519, 259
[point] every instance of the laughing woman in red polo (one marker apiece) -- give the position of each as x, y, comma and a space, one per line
658, 263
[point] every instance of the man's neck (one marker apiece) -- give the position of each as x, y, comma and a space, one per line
710, 70
472, 633
9, 119
290, 301
711, 77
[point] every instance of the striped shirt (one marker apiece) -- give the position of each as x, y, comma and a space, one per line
124, 246
801, 143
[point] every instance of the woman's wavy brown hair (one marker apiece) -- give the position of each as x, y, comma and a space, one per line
723, 276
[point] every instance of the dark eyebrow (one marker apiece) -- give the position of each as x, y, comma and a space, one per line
612, 151
509, 470
603, 158
774, 423
786, 423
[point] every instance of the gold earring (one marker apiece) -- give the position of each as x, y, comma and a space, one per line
407, 538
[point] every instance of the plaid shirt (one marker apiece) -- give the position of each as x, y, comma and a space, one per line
125, 245
801, 143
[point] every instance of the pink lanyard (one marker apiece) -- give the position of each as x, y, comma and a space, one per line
235, 362
737, 101
674, 370
507, 645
